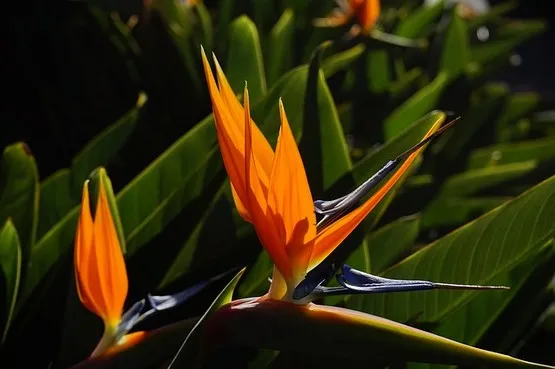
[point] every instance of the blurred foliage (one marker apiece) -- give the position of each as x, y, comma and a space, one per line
124, 88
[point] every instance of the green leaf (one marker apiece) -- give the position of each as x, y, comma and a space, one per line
10, 265
454, 211
378, 73
469, 323
542, 149
19, 195
62, 191
419, 20
506, 39
189, 350
280, 40
371, 163
456, 49
97, 178
245, 61
392, 241
104, 147
415, 107
472, 181
56, 199
476, 253
307, 329
342, 60
323, 146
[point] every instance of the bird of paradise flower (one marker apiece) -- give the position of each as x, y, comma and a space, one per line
101, 277
271, 191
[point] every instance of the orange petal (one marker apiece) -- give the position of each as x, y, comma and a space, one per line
368, 14
290, 200
261, 147
332, 236
263, 221
112, 275
229, 118
336, 18
87, 289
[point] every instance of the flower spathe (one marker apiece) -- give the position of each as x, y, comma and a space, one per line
99, 265
271, 190
101, 277
364, 12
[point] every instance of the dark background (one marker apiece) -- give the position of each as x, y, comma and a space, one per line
39, 57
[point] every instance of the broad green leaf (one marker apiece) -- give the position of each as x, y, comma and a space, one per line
415, 107
469, 323
104, 147
542, 149
62, 191
454, 211
307, 328
55, 200
472, 181
371, 163
342, 60
188, 352
323, 146
389, 243
505, 40
155, 349
19, 195
476, 253
279, 57
146, 193
378, 73
10, 266
456, 49
245, 61
419, 20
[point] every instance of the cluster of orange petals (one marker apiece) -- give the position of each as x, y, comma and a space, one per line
366, 13
271, 190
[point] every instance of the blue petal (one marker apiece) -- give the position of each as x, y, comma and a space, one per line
129, 319
313, 280
361, 282
334, 209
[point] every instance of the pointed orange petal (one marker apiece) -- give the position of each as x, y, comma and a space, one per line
230, 139
263, 221
332, 236
241, 208
112, 275
262, 150
86, 288
336, 18
290, 199
368, 14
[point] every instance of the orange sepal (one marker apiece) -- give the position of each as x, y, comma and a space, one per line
327, 240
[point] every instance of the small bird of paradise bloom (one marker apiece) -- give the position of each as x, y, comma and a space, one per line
101, 277
271, 191
365, 14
